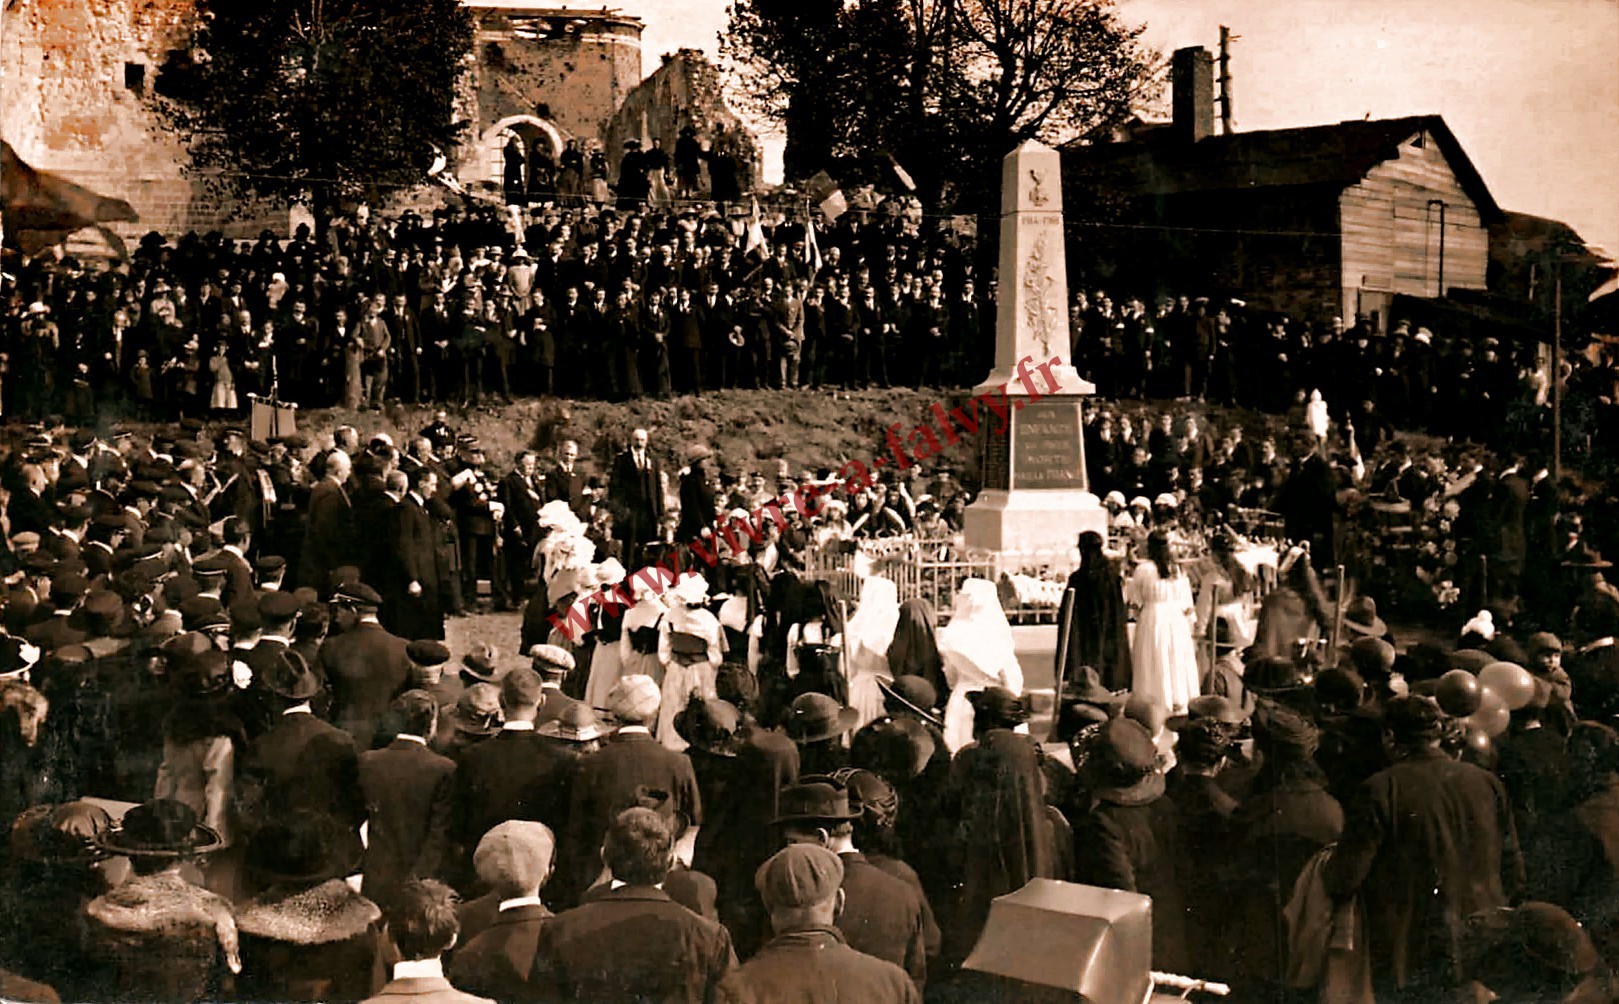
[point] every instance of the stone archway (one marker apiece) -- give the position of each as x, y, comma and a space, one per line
488, 163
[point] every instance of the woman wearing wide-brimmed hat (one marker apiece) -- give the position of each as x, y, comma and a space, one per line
1126, 834
57, 866
165, 938
309, 936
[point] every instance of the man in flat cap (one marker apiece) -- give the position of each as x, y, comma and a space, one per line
514, 859
553, 663
365, 666
809, 958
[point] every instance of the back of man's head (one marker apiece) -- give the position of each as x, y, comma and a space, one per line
639, 848
520, 693
802, 886
422, 920
416, 713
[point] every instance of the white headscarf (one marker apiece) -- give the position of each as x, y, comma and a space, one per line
875, 619
978, 632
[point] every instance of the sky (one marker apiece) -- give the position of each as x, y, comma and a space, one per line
1529, 87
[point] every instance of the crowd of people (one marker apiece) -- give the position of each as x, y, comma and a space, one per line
778, 793
726, 781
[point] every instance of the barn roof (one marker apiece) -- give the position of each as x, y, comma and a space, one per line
1339, 155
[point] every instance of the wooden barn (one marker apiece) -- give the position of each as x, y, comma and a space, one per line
1316, 222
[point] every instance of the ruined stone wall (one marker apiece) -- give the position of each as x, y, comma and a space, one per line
581, 77
685, 90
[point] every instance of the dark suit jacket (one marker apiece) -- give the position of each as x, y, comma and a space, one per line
301, 763
329, 538
817, 966
238, 579
640, 493
606, 785
556, 702
366, 668
498, 961
696, 505
407, 789
1428, 843
522, 500
883, 916
569, 488
512, 775
635, 943
415, 544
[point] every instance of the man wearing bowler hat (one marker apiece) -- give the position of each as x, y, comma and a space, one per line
809, 958
882, 916
366, 667
301, 762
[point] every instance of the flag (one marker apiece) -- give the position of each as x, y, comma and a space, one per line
904, 177
756, 231
827, 196
812, 251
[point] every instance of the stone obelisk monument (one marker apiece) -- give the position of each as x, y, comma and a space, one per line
1035, 497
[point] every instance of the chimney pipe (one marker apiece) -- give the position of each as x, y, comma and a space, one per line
1191, 73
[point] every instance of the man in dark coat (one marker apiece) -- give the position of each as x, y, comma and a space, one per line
1428, 843
1575, 860
882, 916
301, 762
514, 859
330, 540
617, 776
519, 492
629, 940
1309, 505
513, 775
696, 501
809, 960
407, 790
365, 666
419, 610
637, 486
566, 481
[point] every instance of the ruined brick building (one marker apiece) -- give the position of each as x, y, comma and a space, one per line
78, 96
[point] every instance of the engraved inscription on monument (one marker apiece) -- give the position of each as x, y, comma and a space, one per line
1046, 450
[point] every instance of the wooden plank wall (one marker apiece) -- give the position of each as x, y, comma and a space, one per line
1391, 236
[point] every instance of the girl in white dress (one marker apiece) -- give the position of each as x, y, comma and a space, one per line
690, 650
869, 633
978, 652
1163, 654
643, 624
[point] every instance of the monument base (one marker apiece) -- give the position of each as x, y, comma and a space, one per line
1032, 521
1067, 379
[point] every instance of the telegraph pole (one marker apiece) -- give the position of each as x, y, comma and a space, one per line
1226, 115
